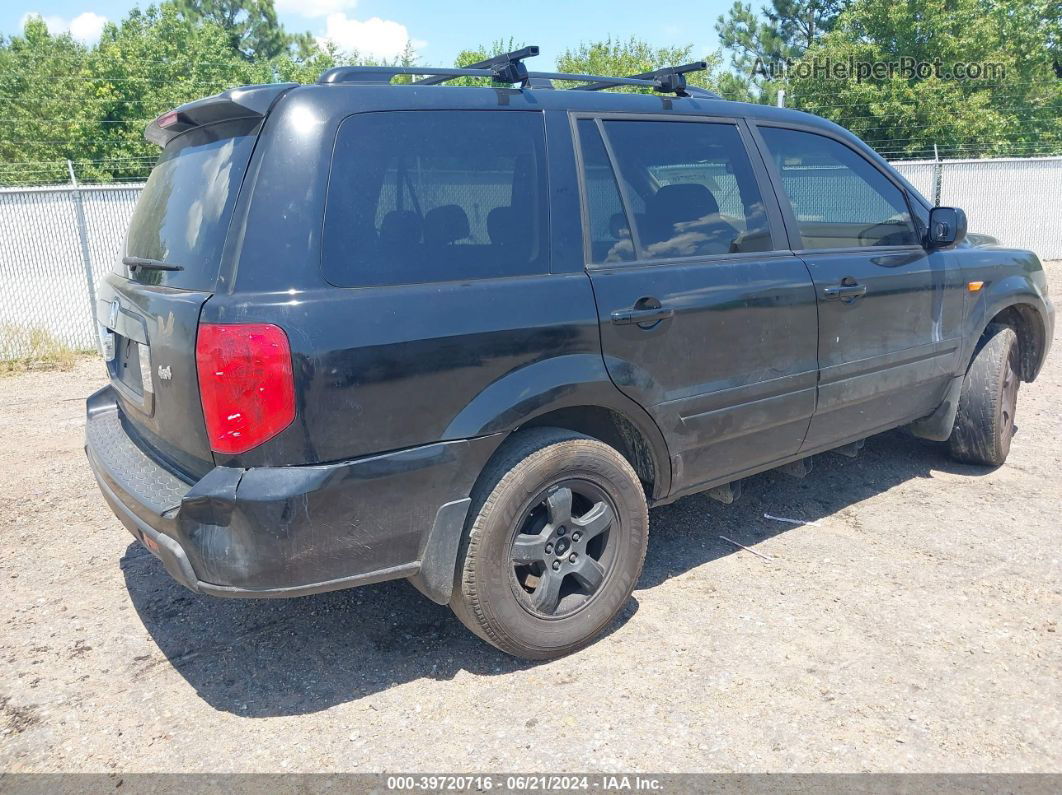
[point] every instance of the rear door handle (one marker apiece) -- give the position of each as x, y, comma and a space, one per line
846, 292
625, 317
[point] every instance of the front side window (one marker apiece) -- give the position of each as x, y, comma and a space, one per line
690, 187
840, 200
426, 196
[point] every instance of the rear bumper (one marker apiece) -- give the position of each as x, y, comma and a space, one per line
291, 531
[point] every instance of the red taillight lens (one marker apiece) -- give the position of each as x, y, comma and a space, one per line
167, 119
245, 383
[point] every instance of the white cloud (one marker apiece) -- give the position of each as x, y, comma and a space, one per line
85, 27
375, 37
315, 8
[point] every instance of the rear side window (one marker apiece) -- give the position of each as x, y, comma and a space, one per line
426, 196
690, 187
840, 200
183, 213
610, 234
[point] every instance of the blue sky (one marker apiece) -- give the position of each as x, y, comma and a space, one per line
439, 29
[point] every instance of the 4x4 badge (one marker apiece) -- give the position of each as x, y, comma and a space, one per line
164, 373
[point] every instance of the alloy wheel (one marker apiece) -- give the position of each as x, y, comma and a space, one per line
563, 549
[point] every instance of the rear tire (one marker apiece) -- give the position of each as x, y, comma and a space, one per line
984, 424
558, 533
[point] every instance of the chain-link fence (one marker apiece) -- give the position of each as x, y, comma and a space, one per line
55, 242
1014, 199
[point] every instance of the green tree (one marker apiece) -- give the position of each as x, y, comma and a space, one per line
153, 61
47, 105
1014, 112
251, 26
61, 100
496, 47
616, 58
782, 31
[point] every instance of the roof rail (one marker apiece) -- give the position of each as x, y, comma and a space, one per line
509, 68
383, 74
504, 68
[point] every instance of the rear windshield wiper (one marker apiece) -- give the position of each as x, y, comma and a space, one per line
150, 264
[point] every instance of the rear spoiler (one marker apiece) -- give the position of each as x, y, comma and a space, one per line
245, 102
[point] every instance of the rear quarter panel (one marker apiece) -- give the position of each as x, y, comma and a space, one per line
386, 368
391, 367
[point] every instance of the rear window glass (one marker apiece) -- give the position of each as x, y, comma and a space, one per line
182, 216
610, 234
696, 195
425, 196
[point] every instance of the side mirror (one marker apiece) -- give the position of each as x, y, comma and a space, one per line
947, 226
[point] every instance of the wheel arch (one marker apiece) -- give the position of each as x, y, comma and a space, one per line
616, 430
572, 392
1028, 324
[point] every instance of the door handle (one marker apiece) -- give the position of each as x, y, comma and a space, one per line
846, 292
625, 317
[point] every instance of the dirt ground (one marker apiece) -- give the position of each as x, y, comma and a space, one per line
913, 627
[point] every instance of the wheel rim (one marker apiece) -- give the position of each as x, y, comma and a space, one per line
1009, 402
563, 550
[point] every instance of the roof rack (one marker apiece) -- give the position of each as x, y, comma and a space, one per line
667, 80
505, 66
509, 68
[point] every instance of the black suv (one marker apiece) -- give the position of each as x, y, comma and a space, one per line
466, 335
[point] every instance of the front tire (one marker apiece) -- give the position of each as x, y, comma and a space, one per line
559, 528
984, 424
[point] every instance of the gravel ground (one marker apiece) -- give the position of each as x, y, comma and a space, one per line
914, 627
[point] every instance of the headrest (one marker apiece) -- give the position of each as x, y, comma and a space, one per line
618, 226
501, 222
400, 228
683, 201
445, 224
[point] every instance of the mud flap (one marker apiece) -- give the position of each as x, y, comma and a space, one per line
438, 554
937, 426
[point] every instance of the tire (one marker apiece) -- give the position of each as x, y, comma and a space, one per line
544, 568
984, 424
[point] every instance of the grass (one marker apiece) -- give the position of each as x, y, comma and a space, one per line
23, 349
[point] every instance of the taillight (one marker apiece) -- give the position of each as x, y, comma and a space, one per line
245, 383
167, 119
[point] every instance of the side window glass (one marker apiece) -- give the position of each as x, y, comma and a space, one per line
610, 234
840, 200
692, 188
426, 196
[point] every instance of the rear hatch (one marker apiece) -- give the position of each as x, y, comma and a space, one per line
150, 303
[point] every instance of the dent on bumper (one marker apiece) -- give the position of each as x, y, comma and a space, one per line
289, 531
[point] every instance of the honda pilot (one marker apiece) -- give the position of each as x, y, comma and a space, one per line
467, 335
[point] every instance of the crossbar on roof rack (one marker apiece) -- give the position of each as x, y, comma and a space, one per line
668, 80
509, 68
505, 65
